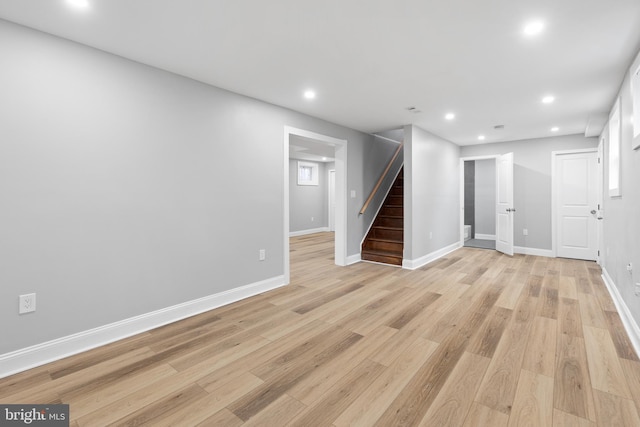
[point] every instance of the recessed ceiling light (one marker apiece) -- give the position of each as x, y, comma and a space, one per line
481, 137
324, 158
548, 99
80, 4
555, 129
309, 94
450, 116
533, 28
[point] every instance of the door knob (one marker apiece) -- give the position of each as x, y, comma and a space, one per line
593, 212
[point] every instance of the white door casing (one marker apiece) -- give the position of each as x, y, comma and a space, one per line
340, 251
332, 200
504, 204
576, 194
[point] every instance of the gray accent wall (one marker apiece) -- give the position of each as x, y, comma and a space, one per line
432, 193
126, 189
532, 182
622, 214
308, 204
485, 196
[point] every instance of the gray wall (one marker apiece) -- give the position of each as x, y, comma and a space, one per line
126, 189
485, 196
622, 214
532, 182
308, 201
432, 193
378, 159
394, 134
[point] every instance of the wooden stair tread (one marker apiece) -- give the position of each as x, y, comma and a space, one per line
382, 239
382, 253
383, 260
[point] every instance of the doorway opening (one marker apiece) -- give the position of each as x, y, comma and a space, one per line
491, 186
311, 161
479, 203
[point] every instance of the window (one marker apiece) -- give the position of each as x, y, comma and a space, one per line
307, 173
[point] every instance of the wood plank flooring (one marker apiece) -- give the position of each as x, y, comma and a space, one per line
473, 339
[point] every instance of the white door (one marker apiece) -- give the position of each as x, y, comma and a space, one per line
504, 204
332, 200
577, 205
600, 192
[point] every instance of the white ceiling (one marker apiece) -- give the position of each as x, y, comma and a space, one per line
369, 60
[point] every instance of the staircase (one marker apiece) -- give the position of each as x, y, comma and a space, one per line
385, 241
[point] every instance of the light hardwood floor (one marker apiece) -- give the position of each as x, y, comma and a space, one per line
473, 339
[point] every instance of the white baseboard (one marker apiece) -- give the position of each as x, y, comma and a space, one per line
485, 236
352, 259
533, 251
412, 264
310, 231
40, 354
629, 323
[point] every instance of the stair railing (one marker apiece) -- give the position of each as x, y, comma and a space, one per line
383, 176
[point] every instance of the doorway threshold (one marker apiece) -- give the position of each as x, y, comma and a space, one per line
480, 243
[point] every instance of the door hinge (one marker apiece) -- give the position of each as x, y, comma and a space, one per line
598, 253
598, 159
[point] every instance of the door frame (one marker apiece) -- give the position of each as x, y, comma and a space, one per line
329, 173
495, 157
340, 251
554, 195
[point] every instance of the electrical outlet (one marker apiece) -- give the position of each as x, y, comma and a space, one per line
262, 255
353, 194
629, 267
27, 303
637, 290
431, 235
525, 232
311, 219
